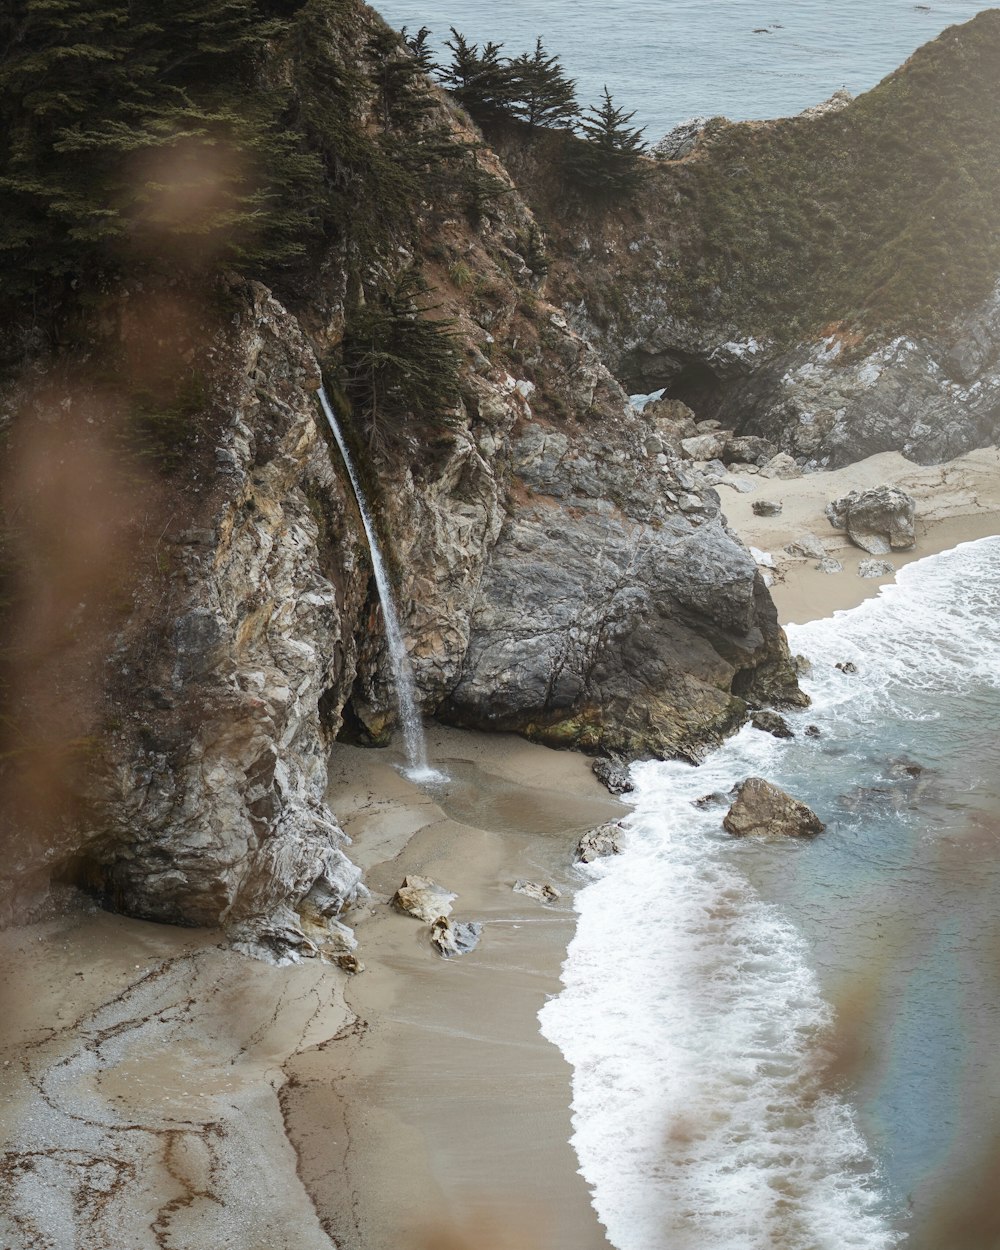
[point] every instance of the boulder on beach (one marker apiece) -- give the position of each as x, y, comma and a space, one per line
876, 568
613, 773
766, 507
877, 521
703, 446
748, 449
781, 466
599, 842
807, 545
423, 899
540, 890
762, 808
455, 939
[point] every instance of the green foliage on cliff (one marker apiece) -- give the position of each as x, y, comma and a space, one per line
399, 365
193, 136
607, 161
141, 126
882, 214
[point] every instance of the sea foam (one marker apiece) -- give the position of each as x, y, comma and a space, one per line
691, 1012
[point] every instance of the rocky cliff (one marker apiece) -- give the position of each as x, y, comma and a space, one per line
828, 281
191, 620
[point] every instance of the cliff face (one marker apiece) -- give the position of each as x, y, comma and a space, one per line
828, 281
553, 577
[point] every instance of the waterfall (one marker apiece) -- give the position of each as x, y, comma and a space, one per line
409, 714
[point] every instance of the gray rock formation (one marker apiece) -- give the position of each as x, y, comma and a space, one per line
212, 807
766, 507
614, 774
703, 446
781, 466
748, 449
540, 890
829, 565
876, 568
616, 610
877, 521
930, 398
452, 938
600, 842
423, 899
762, 808
771, 723
807, 545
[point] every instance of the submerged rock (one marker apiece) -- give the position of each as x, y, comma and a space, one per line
761, 807
614, 774
600, 842
540, 890
423, 899
877, 521
455, 939
715, 799
771, 723
846, 666
829, 565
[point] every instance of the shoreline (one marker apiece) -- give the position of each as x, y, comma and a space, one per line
416, 1104
956, 502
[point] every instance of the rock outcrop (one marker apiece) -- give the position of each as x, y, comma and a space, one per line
560, 571
540, 890
423, 899
878, 521
614, 774
451, 938
762, 808
802, 280
600, 842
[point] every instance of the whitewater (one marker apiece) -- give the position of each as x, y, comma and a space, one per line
697, 1009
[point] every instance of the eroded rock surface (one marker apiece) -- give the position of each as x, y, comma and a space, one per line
877, 521
762, 808
600, 842
423, 899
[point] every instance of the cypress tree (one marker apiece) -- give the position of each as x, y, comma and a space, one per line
608, 160
545, 96
481, 81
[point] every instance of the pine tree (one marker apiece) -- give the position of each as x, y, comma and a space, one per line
608, 162
399, 364
545, 96
420, 48
482, 82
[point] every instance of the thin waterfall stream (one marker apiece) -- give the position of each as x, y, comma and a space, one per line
414, 743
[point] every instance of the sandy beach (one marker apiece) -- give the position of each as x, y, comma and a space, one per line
955, 503
188, 1096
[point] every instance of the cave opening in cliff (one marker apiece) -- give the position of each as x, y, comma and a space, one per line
698, 386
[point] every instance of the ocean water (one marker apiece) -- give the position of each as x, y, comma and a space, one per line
674, 59
791, 1045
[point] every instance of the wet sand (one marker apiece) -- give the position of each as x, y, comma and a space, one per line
455, 1109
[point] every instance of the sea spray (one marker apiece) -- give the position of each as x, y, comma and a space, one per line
414, 742
693, 1011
